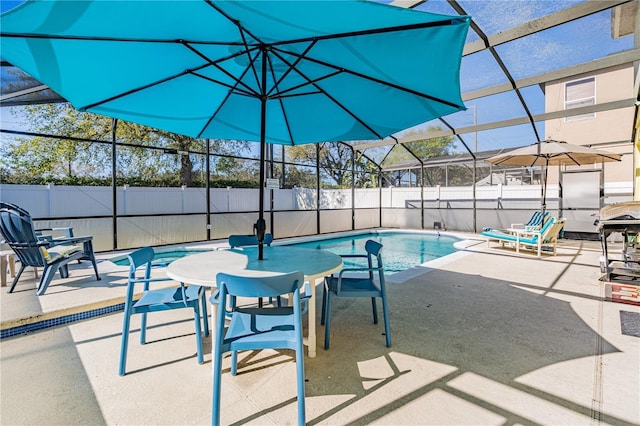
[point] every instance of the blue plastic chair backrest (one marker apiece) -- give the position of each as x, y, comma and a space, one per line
140, 257
374, 249
10, 206
248, 240
269, 286
18, 231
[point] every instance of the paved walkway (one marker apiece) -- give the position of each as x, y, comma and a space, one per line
484, 336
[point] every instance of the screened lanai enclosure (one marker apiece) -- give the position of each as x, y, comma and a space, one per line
530, 70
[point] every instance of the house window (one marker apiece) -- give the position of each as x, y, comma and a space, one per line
580, 93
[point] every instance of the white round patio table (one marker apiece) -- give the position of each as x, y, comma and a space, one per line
202, 269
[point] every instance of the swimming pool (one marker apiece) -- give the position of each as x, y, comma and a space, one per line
402, 250
163, 256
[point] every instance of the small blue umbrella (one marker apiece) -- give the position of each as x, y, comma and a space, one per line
279, 72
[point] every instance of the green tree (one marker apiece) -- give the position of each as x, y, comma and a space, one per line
335, 162
423, 149
59, 157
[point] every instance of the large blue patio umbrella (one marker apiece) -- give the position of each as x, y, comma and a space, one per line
279, 72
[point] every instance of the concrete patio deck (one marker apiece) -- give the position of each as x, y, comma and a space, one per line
484, 336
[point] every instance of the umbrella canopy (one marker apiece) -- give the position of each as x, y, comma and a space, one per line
327, 70
549, 153
281, 72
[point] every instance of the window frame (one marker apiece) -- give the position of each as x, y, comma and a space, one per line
578, 102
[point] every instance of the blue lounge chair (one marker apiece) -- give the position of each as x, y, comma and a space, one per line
547, 236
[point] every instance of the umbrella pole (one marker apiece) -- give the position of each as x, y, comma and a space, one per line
260, 226
544, 190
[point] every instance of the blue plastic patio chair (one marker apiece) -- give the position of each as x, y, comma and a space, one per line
192, 296
247, 241
258, 328
32, 249
345, 286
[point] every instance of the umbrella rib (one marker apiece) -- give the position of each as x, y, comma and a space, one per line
233, 88
570, 157
276, 83
445, 22
235, 22
378, 81
213, 116
291, 67
137, 89
334, 100
117, 39
409, 27
283, 94
216, 64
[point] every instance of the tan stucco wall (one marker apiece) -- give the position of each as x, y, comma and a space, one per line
609, 130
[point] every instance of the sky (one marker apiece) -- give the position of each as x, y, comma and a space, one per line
573, 43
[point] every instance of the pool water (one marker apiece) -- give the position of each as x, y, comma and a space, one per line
401, 250
163, 257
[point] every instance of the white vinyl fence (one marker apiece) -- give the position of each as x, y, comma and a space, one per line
157, 216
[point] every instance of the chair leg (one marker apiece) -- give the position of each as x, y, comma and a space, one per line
234, 363
327, 323
196, 317
385, 314
47, 276
217, 381
324, 304
375, 310
16, 278
205, 316
64, 271
95, 266
143, 329
300, 380
125, 342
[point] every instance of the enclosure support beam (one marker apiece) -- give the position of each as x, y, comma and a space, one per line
353, 189
421, 184
317, 188
114, 187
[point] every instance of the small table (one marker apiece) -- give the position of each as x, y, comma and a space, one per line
7, 259
315, 264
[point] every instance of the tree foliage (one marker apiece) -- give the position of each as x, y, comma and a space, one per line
422, 149
335, 162
69, 157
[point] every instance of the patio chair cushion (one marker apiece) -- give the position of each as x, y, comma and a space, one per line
54, 253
